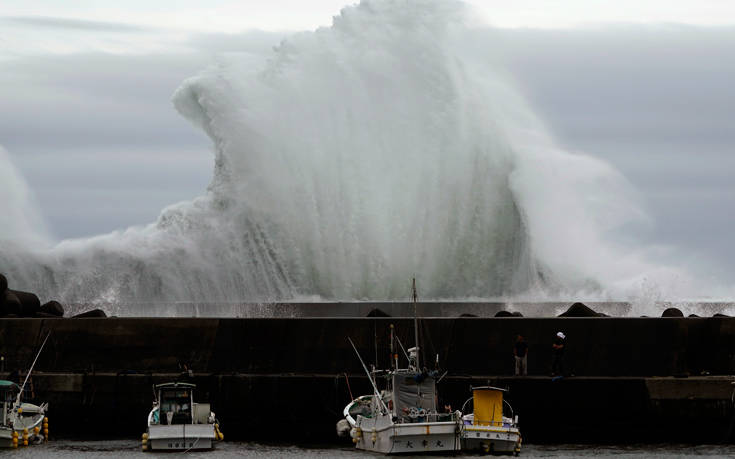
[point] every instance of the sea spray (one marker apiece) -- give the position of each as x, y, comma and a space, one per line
21, 223
388, 146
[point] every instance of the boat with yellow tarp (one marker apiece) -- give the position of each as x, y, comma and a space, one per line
491, 427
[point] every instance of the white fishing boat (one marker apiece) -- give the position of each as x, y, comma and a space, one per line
403, 418
487, 429
23, 423
176, 422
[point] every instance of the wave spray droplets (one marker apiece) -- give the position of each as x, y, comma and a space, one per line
353, 158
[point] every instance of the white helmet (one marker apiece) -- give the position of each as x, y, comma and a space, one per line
561, 335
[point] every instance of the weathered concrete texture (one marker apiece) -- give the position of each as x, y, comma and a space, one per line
259, 370
595, 346
620, 410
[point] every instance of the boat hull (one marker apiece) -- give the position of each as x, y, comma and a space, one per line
6, 437
32, 418
181, 437
492, 440
409, 438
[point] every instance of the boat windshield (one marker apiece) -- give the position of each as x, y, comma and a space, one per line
175, 406
8, 391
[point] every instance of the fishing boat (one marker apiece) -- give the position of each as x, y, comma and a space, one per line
22, 423
486, 429
176, 422
402, 418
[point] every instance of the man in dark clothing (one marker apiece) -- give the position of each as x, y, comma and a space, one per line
520, 351
557, 362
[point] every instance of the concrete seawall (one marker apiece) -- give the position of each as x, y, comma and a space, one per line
261, 371
392, 308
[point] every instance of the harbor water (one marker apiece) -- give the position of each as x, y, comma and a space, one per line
131, 448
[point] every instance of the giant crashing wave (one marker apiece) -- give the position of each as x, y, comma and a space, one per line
388, 146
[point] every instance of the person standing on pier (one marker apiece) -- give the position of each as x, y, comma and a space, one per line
520, 351
557, 363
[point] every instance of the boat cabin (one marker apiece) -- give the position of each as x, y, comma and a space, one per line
488, 405
8, 394
175, 403
414, 396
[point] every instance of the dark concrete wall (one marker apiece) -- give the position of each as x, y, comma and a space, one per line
257, 371
595, 346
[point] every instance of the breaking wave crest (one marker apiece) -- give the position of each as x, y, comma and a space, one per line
389, 145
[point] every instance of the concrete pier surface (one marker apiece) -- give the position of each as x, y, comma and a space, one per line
628, 380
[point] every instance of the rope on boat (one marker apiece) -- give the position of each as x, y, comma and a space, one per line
347, 379
192, 446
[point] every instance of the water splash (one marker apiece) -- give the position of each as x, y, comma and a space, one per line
387, 146
22, 224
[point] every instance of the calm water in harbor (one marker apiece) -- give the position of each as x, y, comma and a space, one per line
131, 448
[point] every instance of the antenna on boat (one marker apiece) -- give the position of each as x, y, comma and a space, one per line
393, 354
375, 343
416, 323
408, 358
384, 408
20, 394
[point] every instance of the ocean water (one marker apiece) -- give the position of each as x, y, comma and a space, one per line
130, 448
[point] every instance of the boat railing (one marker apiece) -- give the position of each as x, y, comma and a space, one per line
430, 416
154, 416
502, 423
505, 402
492, 423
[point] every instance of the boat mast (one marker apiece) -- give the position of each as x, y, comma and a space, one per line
20, 394
384, 408
416, 323
393, 353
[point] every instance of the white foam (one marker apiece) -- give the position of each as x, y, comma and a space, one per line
352, 158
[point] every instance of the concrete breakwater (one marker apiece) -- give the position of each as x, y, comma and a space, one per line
387, 308
643, 379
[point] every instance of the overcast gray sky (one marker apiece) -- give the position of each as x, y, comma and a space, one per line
85, 109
